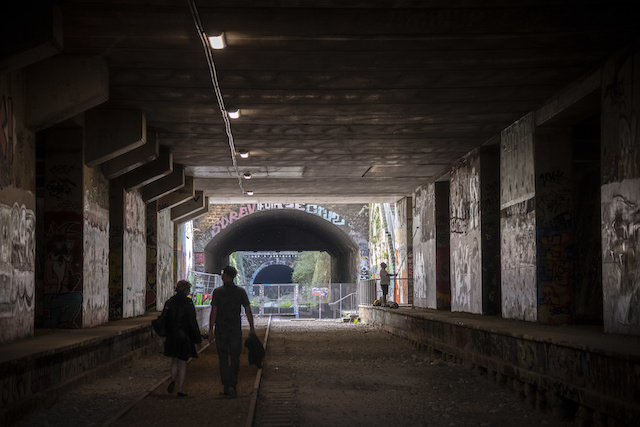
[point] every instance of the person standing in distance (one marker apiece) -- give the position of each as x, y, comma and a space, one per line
385, 280
225, 316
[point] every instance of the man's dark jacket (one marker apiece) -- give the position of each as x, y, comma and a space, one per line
256, 350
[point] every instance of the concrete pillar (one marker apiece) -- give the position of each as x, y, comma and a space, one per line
620, 193
424, 247
474, 223
517, 221
403, 286
160, 268
432, 288
443, 246
554, 225
128, 253
17, 213
76, 240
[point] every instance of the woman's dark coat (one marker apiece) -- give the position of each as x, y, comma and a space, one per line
183, 332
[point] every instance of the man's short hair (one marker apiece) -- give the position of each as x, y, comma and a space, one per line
230, 271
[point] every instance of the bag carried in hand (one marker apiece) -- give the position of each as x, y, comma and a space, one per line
159, 325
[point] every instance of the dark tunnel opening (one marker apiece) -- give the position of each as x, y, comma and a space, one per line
274, 274
286, 230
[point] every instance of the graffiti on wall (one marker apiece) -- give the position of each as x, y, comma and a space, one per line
134, 256
248, 209
517, 175
17, 269
95, 254
62, 276
621, 256
518, 250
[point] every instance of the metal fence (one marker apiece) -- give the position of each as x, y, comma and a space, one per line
285, 299
370, 290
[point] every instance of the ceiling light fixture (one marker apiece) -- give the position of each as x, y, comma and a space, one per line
234, 114
247, 175
244, 154
218, 42
249, 193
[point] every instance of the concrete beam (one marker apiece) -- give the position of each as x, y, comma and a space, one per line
63, 87
574, 104
195, 214
163, 186
151, 171
110, 133
29, 33
193, 208
179, 196
133, 159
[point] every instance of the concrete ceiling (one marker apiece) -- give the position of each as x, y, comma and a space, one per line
341, 100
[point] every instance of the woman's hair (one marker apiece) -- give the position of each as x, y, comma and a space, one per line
183, 287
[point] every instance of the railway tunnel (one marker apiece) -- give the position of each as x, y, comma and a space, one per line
286, 230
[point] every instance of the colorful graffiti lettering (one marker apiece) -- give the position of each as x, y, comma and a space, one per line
229, 219
324, 213
245, 210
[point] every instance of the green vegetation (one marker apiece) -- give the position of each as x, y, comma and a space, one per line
310, 270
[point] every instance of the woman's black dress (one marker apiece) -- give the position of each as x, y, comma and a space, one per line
183, 332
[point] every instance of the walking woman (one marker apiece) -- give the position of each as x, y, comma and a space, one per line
183, 334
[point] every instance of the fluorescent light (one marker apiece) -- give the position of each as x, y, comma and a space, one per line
247, 175
249, 193
244, 154
234, 114
218, 42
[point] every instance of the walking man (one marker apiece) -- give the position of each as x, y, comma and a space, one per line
225, 316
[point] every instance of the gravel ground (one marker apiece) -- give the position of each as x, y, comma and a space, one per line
317, 373
352, 374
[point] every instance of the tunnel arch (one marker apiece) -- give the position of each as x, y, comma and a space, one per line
286, 230
273, 273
